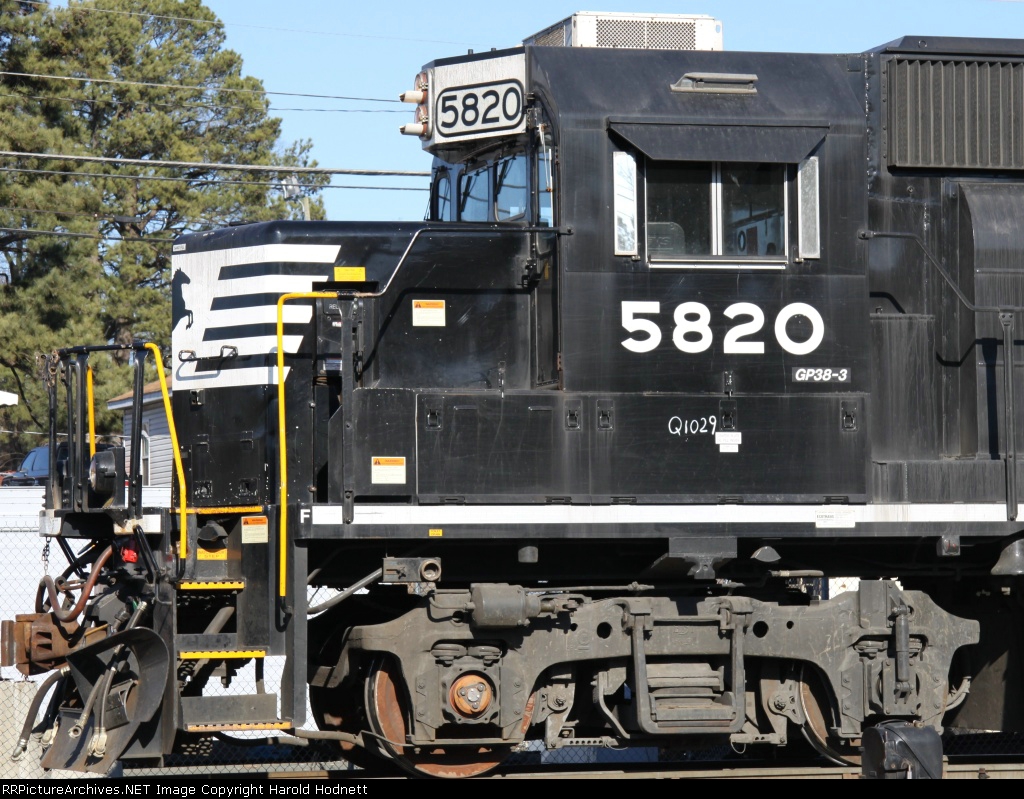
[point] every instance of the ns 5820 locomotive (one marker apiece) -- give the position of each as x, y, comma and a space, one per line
685, 334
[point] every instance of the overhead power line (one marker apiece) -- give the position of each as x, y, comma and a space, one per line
204, 181
181, 87
205, 106
80, 7
68, 234
297, 170
85, 214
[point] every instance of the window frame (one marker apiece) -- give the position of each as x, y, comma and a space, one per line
145, 456
718, 259
543, 175
441, 205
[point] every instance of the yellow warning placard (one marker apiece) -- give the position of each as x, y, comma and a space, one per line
428, 313
350, 274
212, 554
255, 530
387, 470
435, 532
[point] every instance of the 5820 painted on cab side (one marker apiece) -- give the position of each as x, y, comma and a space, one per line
684, 334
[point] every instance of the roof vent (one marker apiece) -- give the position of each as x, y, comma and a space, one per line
635, 31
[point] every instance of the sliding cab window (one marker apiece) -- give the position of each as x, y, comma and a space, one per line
716, 214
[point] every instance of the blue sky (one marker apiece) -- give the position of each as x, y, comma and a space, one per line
373, 49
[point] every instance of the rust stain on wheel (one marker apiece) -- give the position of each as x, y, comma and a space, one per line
389, 707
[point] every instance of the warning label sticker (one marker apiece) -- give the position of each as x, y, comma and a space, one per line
428, 313
255, 530
211, 554
350, 274
835, 516
387, 471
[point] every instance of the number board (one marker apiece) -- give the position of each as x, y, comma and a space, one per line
477, 98
484, 108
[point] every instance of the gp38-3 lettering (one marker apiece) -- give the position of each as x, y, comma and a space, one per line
692, 327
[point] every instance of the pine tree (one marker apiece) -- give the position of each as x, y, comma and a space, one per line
106, 277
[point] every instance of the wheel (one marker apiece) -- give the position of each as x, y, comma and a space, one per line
387, 707
341, 709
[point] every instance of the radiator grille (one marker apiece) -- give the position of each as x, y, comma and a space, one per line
956, 114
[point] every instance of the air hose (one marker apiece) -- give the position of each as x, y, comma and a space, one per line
33, 711
50, 588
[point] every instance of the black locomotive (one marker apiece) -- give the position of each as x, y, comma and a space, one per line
685, 335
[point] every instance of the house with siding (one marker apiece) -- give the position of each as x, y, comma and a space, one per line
157, 460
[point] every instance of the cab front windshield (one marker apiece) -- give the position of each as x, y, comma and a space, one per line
499, 187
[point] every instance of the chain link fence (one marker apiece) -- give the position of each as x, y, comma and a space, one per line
27, 556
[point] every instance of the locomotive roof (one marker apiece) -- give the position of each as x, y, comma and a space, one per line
591, 87
952, 46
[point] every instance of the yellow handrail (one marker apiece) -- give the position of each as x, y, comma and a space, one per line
92, 412
182, 496
283, 514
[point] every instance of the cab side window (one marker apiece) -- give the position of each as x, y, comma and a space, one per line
732, 211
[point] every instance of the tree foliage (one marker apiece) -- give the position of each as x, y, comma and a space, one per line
85, 245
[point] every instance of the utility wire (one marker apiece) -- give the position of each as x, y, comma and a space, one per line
214, 22
198, 181
192, 88
204, 106
68, 234
298, 170
97, 215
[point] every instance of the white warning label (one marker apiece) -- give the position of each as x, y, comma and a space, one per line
835, 516
255, 530
427, 313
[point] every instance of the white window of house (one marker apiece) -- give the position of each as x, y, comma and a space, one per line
144, 457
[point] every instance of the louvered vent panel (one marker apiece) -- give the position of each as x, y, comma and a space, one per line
956, 114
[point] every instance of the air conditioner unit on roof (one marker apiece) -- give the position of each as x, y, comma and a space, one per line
637, 31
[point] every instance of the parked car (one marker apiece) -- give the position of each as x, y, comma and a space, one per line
36, 466
9, 465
